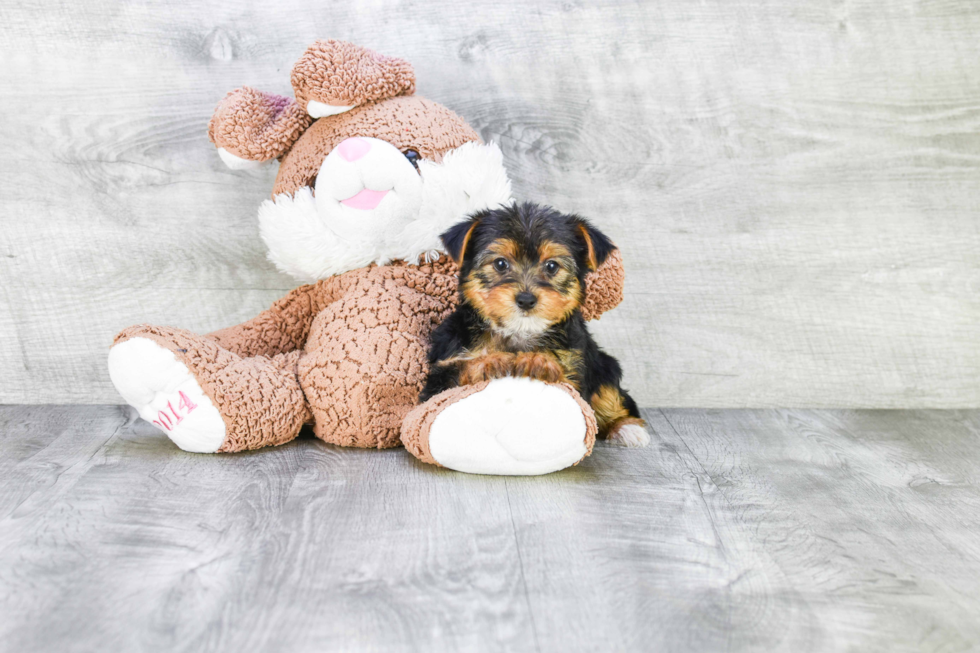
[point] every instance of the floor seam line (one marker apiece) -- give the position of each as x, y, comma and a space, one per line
520, 563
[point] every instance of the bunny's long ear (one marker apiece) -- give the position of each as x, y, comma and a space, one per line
335, 76
604, 286
250, 127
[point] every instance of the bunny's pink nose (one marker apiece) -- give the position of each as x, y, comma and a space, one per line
353, 149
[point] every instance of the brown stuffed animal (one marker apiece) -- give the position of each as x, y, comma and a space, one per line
369, 176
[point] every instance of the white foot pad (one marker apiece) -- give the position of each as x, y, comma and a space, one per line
515, 427
630, 435
151, 380
238, 163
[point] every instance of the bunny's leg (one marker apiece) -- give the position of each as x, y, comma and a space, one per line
204, 397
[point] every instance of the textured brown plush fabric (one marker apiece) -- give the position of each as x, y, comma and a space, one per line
343, 74
257, 126
259, 398
406, 122
364, 359
286, 325
418, 422
347, 353
591, 424
604, 287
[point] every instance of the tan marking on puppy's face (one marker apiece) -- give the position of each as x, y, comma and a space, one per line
489, 289
505, 248
550, 250
501, 273
560, 291
555, 305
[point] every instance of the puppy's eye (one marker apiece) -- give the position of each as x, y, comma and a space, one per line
501, 265
413, 157
551, 267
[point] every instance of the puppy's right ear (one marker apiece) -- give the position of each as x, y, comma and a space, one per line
457, 238
597, 244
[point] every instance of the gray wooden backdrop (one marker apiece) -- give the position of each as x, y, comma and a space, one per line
795, 184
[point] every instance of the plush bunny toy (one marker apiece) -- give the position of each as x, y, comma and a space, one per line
369, 176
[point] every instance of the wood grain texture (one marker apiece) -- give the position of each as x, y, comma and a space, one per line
795, 185
752, 530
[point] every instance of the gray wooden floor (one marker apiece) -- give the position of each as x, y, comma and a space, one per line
735, 530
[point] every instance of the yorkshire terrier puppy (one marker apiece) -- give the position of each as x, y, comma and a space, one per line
521, 283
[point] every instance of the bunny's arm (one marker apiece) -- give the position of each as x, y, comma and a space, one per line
286, 325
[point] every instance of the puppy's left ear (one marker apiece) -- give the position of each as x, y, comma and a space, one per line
457, 238
597, 245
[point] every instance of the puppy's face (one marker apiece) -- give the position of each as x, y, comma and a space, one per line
522, 267
521, 289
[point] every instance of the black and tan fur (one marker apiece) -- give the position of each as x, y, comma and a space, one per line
521, 280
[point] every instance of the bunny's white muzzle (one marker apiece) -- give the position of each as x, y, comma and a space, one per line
373, 206
366, 188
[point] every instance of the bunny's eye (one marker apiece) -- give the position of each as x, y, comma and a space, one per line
413, 157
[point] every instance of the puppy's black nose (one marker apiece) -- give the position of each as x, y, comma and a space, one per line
525, 300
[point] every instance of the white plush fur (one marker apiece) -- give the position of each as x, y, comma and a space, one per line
470, 178
515, 427
238, 163
321, 110
314, 238
631, 435
150, 378
382, 168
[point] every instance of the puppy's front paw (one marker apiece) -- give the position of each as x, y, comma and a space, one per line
488, 367
630, 434
538, 366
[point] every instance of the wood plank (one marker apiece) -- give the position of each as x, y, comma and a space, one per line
794, 184
866, 520
785, 530
285, 548
47, 449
